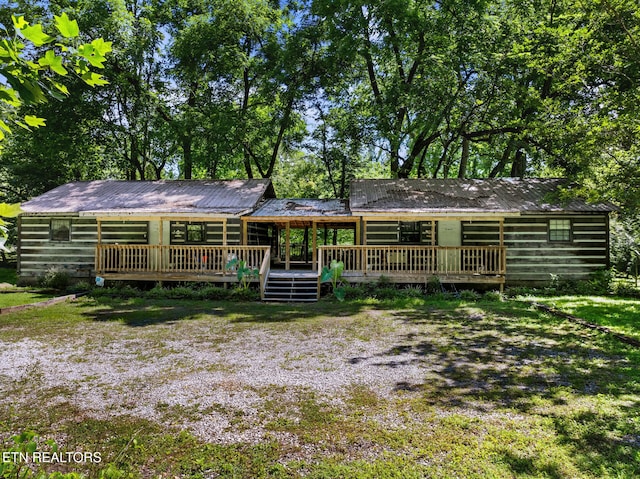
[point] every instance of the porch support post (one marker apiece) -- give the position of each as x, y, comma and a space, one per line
358, 233
287, 246
224, 231
99, 252
245, 232
364, 231
314, 245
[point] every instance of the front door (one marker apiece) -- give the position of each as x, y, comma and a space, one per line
449, 234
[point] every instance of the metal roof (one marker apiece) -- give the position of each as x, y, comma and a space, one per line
496, 195
305, 207
232, 197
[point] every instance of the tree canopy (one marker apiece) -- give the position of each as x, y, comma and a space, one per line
313, 93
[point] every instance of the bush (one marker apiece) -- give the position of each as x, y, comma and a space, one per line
469, 295
493, 296
55, 279
626, 290
434, 285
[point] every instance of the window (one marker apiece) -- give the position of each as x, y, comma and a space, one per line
409, 232
60, 230
195, 233
559, 230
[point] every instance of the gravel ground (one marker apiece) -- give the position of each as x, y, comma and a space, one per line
219, 377
215, 370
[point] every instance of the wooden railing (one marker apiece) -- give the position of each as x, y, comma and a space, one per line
436, 260
170, 259
264, 271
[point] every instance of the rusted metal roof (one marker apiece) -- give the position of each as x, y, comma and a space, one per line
303, 207
232, 197
496, 195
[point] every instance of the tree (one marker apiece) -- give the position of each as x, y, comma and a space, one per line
31, 62
31, 80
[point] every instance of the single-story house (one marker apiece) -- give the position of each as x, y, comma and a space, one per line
502, 231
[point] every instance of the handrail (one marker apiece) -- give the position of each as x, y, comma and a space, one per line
390, 259
202, 259
264, 271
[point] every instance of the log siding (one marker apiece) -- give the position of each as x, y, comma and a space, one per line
532, 258
38, 253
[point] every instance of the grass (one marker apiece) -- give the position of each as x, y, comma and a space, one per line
8, 275
619, 314
17, 298
506, 392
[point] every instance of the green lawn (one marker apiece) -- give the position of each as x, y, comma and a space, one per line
8, 275
619, 314
497, 390
17, 298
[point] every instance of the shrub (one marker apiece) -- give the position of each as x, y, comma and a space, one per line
469, 295
215, 293
55, 279
626, 290
245, 294
493, 296
413, 291
434, 285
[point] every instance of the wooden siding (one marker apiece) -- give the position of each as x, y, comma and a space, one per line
480, 233
387, 232
214, 231
124, 232
39, 254
532, 258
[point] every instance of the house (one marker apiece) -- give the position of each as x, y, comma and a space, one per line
495, 231
138, 230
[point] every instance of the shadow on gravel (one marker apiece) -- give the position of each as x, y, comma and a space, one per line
146, 313
535, 366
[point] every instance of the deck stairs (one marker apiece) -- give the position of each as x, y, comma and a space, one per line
291, 286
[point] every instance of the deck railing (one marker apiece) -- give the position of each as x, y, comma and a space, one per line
158, 261
436, 260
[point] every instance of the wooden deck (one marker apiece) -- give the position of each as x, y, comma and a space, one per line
400, 264
179, 263
417, 264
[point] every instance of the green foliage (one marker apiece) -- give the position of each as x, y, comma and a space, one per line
31, 81
6, 211
469, 295
55, 278
189, 291
244, 273
26, 444
333, 274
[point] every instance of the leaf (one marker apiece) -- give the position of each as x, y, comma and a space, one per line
19, 22
54, 62
326, 275
10, 210
101, 47
68, 28
94, 79
34, 121
35, 35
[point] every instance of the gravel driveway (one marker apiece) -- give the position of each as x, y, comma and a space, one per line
205, 374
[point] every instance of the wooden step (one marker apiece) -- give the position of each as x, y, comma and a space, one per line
291, 287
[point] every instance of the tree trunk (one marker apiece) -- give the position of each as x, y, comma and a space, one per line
519, 164
503, 161
464, 158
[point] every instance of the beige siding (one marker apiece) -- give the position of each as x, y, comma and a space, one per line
532, 258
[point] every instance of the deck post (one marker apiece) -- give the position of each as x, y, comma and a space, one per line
314, 244
287, 246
